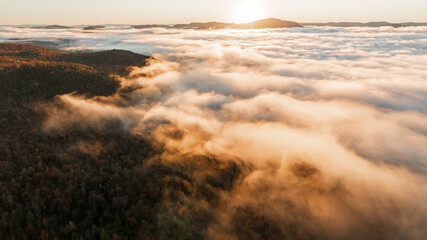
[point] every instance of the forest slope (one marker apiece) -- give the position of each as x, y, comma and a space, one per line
83, 183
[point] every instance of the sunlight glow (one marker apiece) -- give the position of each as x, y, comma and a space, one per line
247, 11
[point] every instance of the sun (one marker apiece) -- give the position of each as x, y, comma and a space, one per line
247, 11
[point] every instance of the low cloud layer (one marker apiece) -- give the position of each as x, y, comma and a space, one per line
332, 122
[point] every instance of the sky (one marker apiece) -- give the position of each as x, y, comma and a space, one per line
171, 11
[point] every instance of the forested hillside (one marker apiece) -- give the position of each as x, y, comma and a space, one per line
91, 184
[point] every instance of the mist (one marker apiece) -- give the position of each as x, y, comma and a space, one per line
327, 126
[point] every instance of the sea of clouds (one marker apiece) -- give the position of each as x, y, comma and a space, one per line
333, 120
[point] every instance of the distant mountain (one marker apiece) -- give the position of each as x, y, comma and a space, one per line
260, 24
264, 23
96, 27
52, 27
413, 24
267, 23
150, 26
204, 26
368, 24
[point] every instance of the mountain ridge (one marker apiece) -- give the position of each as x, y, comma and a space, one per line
276, 23
258, 24
366, 24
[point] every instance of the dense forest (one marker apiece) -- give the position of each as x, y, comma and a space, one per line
91, 184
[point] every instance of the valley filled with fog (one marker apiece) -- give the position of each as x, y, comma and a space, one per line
328, 125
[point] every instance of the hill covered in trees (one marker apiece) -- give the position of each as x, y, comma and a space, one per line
92, 183
33, 73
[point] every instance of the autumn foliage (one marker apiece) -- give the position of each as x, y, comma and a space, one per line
91, 184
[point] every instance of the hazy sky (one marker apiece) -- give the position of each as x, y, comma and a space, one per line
183, 11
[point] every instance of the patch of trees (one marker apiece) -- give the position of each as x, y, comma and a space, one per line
99, 185
39, 82
111, 61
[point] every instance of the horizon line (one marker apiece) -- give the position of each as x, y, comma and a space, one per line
211, 21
